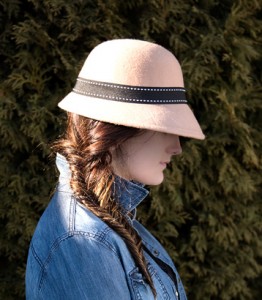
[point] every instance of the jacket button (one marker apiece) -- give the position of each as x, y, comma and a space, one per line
155, 252
175, 292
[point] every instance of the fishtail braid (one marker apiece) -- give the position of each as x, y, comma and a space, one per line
87, 146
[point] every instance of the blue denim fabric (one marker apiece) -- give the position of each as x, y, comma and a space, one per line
75, 255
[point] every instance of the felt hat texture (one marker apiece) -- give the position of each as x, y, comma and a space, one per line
128, 65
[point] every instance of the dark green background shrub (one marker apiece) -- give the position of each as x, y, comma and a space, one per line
208, 213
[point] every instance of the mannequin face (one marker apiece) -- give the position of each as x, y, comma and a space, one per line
144, 157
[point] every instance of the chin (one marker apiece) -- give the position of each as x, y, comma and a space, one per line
153, 181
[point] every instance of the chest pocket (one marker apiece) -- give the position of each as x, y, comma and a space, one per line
142, 290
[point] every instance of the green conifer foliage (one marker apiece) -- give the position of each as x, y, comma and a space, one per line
208, 211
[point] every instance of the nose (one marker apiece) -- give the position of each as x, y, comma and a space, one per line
174, 146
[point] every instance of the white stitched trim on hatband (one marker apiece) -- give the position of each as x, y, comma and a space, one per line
132, 88
126, 99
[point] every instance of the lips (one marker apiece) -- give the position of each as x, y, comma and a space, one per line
165, 162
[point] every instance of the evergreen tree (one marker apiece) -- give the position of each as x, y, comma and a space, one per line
208, 211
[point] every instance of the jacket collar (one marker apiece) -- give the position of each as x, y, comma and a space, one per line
129, 193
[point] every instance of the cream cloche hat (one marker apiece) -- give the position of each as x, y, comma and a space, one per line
133, 83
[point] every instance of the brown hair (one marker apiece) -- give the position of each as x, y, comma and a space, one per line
87, 146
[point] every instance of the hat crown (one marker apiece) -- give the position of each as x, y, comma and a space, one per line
133, 83
133, 62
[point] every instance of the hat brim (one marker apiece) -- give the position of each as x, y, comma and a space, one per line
169, 118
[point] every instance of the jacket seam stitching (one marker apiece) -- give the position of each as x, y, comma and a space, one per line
37, 258
72, 214
97, 237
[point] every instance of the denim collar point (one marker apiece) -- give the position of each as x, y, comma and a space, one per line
129, 193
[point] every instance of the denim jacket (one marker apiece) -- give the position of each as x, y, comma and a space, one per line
75, 255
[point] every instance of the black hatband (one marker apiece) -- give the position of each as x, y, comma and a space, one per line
128, 93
